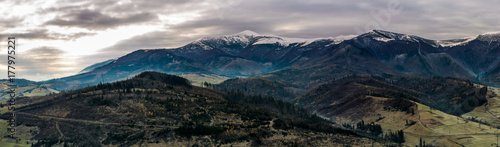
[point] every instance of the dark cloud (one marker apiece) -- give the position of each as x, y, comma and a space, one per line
96, 20
107, 14
42, 63
6, 23
304, 19
41, 59
310, 19
155, 6
45, 53
289, 19
433, 19
44, 34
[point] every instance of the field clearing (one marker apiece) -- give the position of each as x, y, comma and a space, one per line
23, 133
28, 90
489, 113
442, 129
198, 80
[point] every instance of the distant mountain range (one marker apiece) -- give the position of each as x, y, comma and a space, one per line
307, 62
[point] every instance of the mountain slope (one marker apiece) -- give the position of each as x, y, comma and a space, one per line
317, 60
431, 109
376, 53
97, 65
449, 95
165, 110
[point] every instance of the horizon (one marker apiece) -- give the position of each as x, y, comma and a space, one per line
258, 34
59, 38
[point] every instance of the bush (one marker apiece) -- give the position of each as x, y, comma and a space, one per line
194, 130
97, 101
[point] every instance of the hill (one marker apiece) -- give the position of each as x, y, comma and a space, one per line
419, 107
159, 109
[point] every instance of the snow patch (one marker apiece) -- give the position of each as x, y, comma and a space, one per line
492, 33
339, 39
456, 42
401, 56
283, 41
383, 39
489, 37
248, 33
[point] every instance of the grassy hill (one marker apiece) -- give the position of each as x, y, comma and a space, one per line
422, 108
155, 109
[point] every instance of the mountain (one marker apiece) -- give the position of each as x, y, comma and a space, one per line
479, 54
97, 65
379, 53
248, 53
344, 95
240, 55
306, 62
156, 109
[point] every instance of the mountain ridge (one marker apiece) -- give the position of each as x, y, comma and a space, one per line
247, 54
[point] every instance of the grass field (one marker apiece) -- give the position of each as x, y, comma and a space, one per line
23, 132
197, 79
439, 128
443, 129
28, 90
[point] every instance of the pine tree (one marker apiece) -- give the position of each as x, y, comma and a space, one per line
420, 144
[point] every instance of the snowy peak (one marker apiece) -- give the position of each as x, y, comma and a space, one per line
247, 33
247, 37
491, 33
286, 41
387, 36
455, 42
241, 39
282, 41
489, 37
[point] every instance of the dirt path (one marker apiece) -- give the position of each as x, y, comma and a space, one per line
59, 130
420, 121
90, 121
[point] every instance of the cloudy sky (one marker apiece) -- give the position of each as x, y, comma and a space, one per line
57, 38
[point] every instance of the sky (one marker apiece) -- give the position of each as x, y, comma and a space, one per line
58, 38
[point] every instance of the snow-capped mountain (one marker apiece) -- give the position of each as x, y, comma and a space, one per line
249, 53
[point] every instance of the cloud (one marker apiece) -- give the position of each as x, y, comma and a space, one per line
11, 22
183, 21
44, 34
42, 63
304, 19
152, 40
41, 57
95, 20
